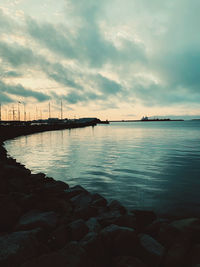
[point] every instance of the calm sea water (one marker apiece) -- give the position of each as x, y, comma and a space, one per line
145, 165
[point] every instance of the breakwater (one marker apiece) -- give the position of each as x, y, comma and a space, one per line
45, 222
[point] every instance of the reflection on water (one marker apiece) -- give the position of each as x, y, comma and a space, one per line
144, 165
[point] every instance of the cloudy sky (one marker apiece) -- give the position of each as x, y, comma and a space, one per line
111, 59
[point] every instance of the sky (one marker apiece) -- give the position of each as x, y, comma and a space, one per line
109, 59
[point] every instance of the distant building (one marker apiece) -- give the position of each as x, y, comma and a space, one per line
145, 118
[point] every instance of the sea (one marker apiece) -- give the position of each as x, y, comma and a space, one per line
144, 165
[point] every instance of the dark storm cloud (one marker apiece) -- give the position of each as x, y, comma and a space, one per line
51, 37
16, 54
19, 90
162, 42
4, 98
88, 46
107, 86
12, 73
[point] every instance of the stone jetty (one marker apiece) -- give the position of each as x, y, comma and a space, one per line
44, 222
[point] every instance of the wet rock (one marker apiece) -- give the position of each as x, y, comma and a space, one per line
168, 235
144, 218
59, 237
154, 228
72, 255
126, 220
15, 171
177, 255
10, 213
98, 200
107, 217
81, 200
150, 250
127, 261
189, 227
119, 240
93, 225
94, 248
74, 191
85, 213
78, 229
115, 205
194, 256
17, 247
54, 187
35, 218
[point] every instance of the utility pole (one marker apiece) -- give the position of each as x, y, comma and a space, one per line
36, 115
13, 112
18, 110
49, 110
24, 112
61, 110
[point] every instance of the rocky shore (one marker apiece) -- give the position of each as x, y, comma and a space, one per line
44, 222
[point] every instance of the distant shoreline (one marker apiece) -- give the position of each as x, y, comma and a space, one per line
153, 120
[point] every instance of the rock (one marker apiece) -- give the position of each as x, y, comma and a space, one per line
168, 235
108, 217
154, 228
98, 200
115, 205
119, 240
35, 218
177, 255
150, 250
72, 255
144, 218
74, 191
54, 187
127, 261
85, 212
83, 209
15, 171
59, 237
81, 201
78, 229
94, 248
17, 247
194, 255
126, 220
10, 213
93, 225
189, 227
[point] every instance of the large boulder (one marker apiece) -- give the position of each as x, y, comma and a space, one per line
150, 250
72, 255
177, 255
189, 227
59, 237
94, 248
127, 261
17, 247
93, 225
144, 218
78, 229
74, 191
35, 218
119, 240
10, 212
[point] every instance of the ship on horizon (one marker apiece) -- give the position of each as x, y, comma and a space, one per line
145, 118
